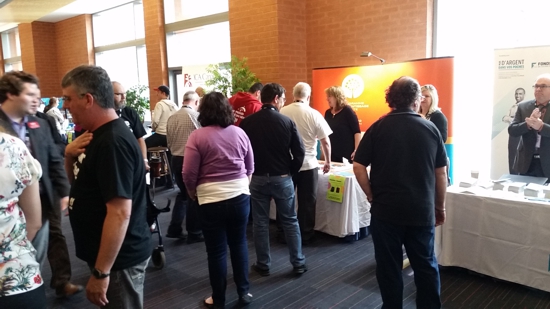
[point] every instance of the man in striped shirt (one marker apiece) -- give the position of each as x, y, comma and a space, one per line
179, 127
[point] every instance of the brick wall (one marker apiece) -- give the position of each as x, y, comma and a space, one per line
38, 54
155, 40
338, 31
253, 27
75, 45
285, 39
292, 44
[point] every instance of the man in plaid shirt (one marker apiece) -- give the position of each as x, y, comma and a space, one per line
179, 127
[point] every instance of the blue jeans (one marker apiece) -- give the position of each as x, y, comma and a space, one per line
388, 241
224, 223
281, 189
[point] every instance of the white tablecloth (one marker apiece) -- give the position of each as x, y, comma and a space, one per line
339, 219
505, 239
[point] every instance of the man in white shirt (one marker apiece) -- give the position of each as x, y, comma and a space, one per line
312, 127
179, 127
163, 110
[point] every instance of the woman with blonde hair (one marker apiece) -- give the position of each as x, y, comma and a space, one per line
430, 110
344, 124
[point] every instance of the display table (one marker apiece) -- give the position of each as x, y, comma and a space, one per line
339, 219
502, 238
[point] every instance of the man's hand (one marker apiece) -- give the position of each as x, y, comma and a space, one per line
326, 167
353, 155
534, 123
536, 113
64, 203
78, 146
147, 167
439, 217
96, 291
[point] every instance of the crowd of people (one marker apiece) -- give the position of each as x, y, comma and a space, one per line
231, 158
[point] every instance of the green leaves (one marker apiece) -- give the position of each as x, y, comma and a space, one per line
136, 100
232, 77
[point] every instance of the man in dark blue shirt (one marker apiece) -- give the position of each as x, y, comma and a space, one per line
406, 188
278, 154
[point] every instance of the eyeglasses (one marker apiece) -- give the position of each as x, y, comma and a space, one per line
541, 87
421, 97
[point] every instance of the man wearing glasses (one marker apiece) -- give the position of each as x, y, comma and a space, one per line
131, 118
531, 123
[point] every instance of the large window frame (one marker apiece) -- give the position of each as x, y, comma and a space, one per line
11, 47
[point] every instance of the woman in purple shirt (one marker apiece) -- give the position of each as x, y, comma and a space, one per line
216, 171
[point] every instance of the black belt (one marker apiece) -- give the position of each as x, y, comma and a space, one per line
269, 175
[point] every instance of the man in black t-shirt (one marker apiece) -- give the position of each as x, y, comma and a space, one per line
131, 119
107, 203
406, 188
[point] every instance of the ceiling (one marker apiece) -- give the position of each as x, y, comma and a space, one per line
26, 11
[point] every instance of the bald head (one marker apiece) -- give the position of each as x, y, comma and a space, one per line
120, 95
542, 89
404, 92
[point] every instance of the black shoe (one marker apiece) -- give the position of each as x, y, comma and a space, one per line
182, 236
300, 269
245, 300
262, 272
193, 238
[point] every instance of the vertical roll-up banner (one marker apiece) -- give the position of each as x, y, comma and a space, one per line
516, 71
365, 88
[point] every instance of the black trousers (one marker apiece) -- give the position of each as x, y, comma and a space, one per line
305, 183
184, 208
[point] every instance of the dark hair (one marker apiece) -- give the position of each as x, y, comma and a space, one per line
403, 92
256, 87
214, 109
269, 91
521, 89
12, 83
93, 80
51, 104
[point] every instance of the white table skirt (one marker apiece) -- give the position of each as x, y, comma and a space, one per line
506, 239
339, 219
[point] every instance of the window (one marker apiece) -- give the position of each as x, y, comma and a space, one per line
10, 43
178, 10
122, 52
189, 47
129, 22
126, 65
11, 49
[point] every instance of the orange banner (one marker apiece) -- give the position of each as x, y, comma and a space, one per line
365, 86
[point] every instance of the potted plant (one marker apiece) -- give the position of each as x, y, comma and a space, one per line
136, 100
231, 77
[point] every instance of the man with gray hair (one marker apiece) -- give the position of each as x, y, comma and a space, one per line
312, 127
107, 204
180, 125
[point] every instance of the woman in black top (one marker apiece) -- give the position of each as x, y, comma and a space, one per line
430, 111
343, 121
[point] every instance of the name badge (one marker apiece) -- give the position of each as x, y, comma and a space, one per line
33, 125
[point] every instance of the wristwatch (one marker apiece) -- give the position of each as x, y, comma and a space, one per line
98, 274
